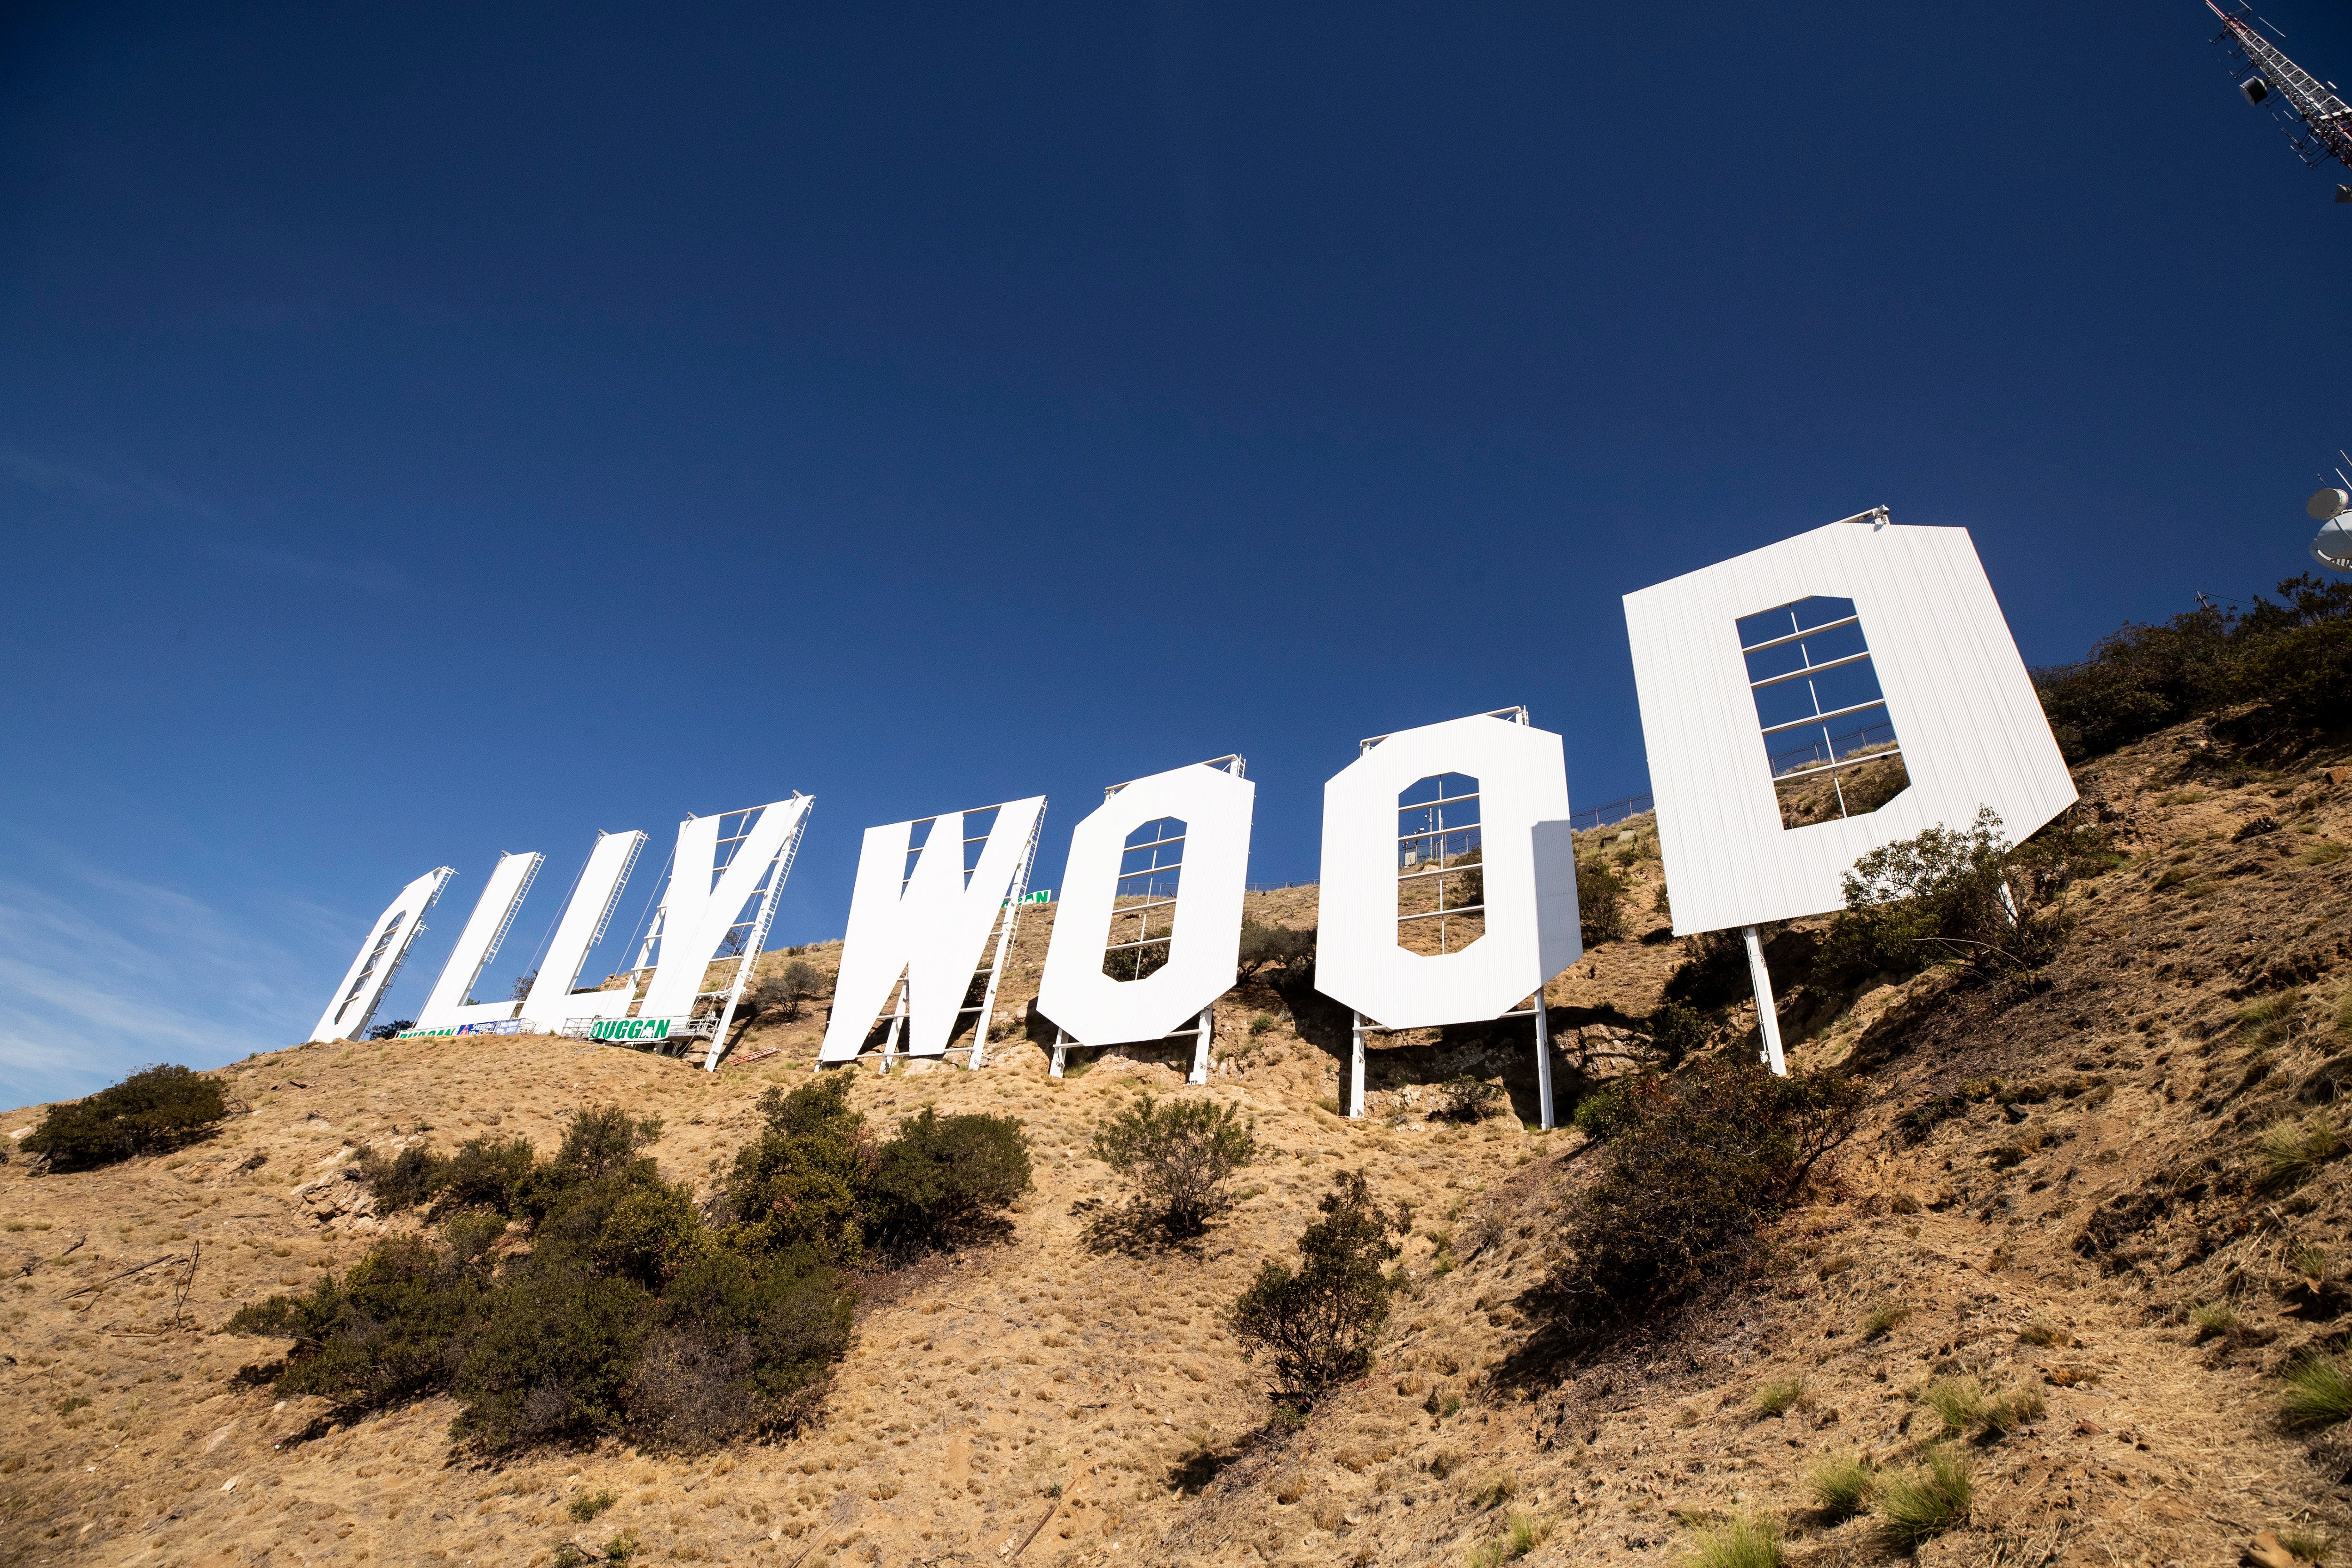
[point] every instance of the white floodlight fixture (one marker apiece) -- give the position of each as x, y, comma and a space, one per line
921, 911
451, 1003
1525, 856
722, 894
553, 1002
380, 958
1949, 684
1174, 900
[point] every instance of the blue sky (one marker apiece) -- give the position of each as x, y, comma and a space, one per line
432, 431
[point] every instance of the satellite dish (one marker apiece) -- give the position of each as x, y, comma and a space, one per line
2332, 545
2326, 505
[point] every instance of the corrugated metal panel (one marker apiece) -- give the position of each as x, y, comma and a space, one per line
1971, 730
1529, 864
1090, 1007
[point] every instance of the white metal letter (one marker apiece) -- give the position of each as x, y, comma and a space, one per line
928, 926
380, 958
704, 902
1530, 869
1972, 733
451, 1003
552, 1003
1089, 1006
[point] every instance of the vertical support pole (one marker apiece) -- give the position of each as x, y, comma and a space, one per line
1061, 1052
897, 1022
1767, 1012
1208, 1021
1543, 1059
1356, 1068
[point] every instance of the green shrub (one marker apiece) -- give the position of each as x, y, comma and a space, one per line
1467, 1097
588, 1505
1780, 1396
1700, 1163
1940, 896
153, 1111
796, 1184
1928, 1501
1179, 1156
1841, 1488
486, 1173
1747, 1540
943, 1177
627, 1315
2318, 1393
382, 1333
1599, 902
404, 1180
2292, 657
1606, 1110
1677, 1031
1292, 950
1319, 1321
1526, 1533
788, 990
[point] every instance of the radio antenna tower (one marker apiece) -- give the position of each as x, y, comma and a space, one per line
2318, 124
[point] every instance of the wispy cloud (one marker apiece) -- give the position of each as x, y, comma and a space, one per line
120, 490
102, 973
369, 577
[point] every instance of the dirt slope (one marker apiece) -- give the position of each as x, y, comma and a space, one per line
2054, 1241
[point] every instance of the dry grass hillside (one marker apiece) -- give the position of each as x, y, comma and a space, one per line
2063, 1192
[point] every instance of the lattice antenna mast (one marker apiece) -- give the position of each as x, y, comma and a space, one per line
2318, 122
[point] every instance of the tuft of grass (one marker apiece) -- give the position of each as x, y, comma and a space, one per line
2294, 1147
1920, 1504
1884, 1320
2217, 1319
588, 1505
1745, 1541
2343, 1016
1780, 1396
2326, 852
2038, 1333
1956, 1402
2318, 1393
1841, 1488
2309, 1261
1526, 1533
2005, 1414
2309, 1545
1501, 1489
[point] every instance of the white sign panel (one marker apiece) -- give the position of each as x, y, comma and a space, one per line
551, 1003
932, 930
486, 928
379, 956
1089, 1006
703, 901
1971, 730
1529, 870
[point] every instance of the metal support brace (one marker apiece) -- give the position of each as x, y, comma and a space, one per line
1356, 1068
1543, 1059
1061, 1052
897, 1022
1767, 1014
1200, 1046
